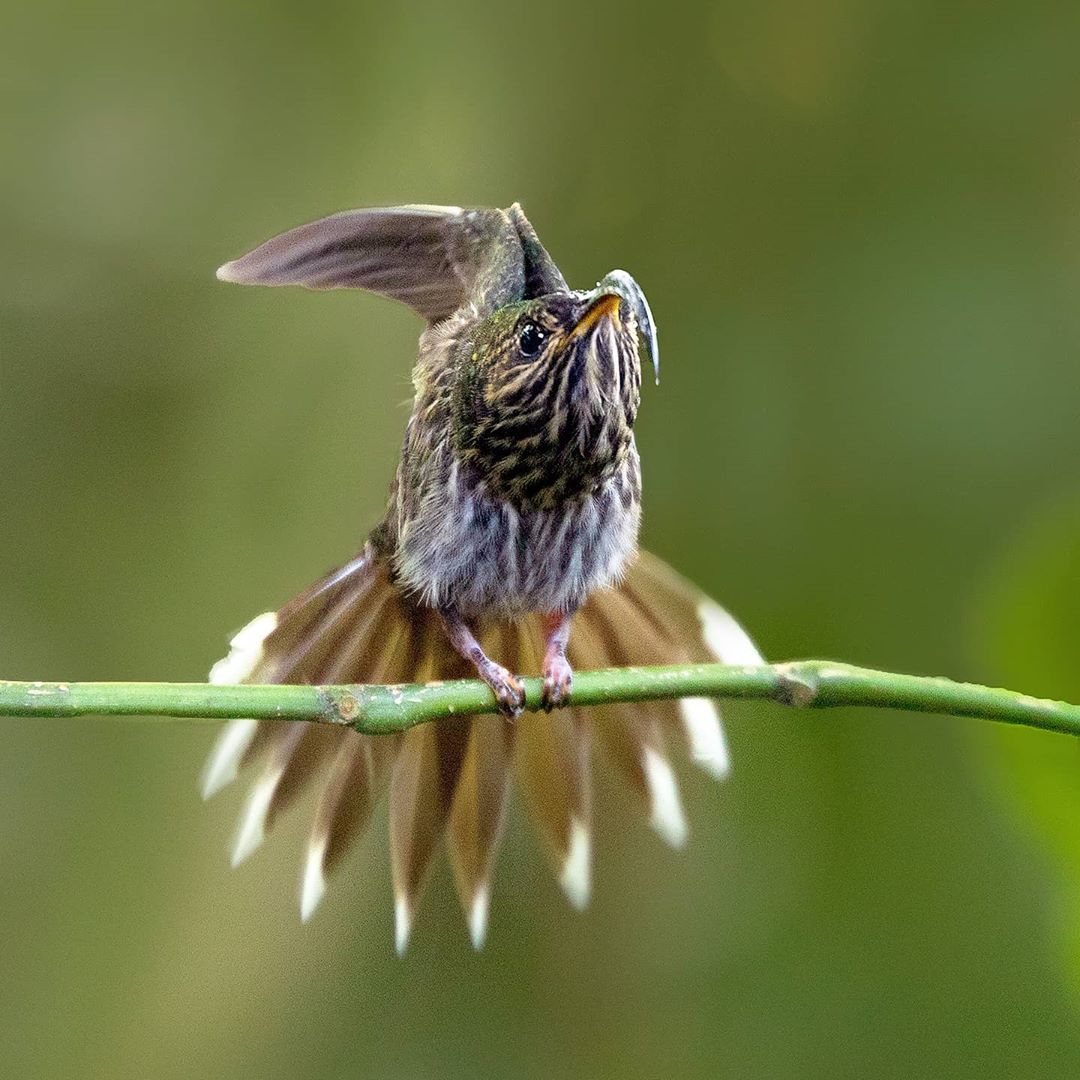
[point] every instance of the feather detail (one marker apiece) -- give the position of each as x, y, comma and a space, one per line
344, 807
478, 815
297, 752
223, 765
288, 647
478, 812
433, 258
422, 786
256, 815
242, 662
633, 734
705, 737
691, 628
421, 789
451, 778
356, 779
552, 768
686, 617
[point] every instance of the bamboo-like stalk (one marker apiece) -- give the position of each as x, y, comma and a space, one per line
378, 710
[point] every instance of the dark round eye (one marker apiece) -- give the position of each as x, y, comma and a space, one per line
531, 340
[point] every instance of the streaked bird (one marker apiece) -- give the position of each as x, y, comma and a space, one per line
509, 545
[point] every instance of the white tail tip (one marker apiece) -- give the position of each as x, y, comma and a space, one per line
478, 916
667, 816
246, 651
223, 765
313, 888
253, 824
705, 733
576, 876
402, 924
725, 638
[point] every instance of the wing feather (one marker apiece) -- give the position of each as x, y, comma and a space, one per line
433, 258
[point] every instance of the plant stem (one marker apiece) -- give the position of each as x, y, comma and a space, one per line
381, 709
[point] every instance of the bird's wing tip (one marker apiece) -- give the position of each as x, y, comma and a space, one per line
230, 272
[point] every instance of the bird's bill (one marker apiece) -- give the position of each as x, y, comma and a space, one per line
620, 284
606, 305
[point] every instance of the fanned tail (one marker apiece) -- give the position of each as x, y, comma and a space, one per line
451, 778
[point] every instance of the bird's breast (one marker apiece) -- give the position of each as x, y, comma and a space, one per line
469, 547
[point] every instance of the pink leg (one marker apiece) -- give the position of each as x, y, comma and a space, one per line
558, 676
509, 692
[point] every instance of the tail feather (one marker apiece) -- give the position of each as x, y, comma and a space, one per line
358, 775
258, 813
478, 811
311, 643
422, 786
696, 630
633, 735
326, 628
322, 636
451, 778
686, 616
223, 765
343, 810
552, 769
478, 815
421, 790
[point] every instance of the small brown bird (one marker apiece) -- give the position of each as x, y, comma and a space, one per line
514, 513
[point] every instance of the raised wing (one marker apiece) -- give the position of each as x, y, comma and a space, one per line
433, 258
542, 276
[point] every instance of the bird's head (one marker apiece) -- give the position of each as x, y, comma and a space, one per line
546, 390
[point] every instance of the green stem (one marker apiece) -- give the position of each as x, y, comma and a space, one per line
381, 709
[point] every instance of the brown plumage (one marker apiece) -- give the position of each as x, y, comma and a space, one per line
509, 545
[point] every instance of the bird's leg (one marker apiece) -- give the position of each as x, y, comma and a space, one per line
558, 677
509, 692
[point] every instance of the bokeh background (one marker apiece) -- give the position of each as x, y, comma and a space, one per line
859, 226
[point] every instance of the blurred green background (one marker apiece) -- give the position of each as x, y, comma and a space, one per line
859, 226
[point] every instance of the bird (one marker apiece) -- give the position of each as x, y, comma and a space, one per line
508, 546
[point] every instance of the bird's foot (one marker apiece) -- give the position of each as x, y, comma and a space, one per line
508, 689
558, 680
558, 676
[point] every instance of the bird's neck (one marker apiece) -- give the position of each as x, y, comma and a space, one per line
564, 443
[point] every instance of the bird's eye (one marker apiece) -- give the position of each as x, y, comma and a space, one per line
531, 340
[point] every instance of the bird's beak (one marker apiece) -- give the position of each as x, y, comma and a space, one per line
621, 285
605, 305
